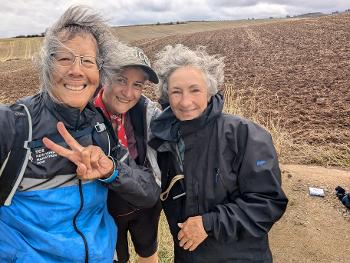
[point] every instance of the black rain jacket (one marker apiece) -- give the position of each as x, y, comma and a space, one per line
231, 178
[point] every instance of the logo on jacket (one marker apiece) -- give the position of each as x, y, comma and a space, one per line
40, 155
260, 163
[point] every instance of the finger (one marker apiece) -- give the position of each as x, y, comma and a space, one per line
95, 157
57, 148
81, 170
106, 165
86, 158
85, 174
183, 242
188, 244
180, 235
180, 225
193, 246
73, 144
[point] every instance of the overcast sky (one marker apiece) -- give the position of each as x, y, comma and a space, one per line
23, 17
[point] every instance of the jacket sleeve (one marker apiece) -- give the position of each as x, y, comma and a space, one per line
261, 201
7, 132
134, 183
152, 113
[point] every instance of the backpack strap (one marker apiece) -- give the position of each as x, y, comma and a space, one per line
115, 150
17, 159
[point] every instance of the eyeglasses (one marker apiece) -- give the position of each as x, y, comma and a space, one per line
67, 59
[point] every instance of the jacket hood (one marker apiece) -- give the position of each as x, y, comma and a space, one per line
166, 127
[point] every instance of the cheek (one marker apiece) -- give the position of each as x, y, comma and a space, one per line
107, 93
173, 100
137, 96
57, 75
94, 77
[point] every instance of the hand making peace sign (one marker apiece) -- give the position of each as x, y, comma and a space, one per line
91, 161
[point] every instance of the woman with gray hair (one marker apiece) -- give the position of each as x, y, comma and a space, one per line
220, 176
57, 157
130, 113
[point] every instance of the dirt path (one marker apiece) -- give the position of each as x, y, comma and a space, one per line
313, 229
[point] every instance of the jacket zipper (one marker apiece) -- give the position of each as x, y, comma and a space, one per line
77, 230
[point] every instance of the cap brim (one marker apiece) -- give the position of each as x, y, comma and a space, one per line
152, 75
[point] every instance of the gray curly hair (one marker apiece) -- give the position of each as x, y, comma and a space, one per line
170, 58
76, 20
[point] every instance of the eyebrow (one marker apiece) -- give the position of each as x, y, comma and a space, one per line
191, 87
175, 87
194, 86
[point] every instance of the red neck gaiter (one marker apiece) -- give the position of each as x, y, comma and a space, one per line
118, 119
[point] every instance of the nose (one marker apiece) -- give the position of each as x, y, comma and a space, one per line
185, 100
76, 68
128, 91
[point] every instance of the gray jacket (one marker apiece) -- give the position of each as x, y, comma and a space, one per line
140, 117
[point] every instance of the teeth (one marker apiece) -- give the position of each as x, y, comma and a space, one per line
122, 100
75, 88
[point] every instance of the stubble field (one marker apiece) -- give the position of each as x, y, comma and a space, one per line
292, 76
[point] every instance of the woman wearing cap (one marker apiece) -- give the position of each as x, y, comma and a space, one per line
55, 208
220, 178
130, 114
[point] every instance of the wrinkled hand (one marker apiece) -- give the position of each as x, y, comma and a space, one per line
192, 233
91, 161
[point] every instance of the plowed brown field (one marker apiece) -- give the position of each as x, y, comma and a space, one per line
298, 72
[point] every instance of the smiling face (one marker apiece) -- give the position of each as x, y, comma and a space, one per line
125, 91
74, 85
188, 93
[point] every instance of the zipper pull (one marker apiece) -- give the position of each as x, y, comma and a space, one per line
217, 173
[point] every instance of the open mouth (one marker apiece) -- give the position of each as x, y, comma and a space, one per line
75, 87
123, 100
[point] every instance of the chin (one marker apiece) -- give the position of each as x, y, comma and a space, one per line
121, 110
186, 118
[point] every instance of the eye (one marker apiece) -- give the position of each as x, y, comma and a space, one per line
64, 59
175, 92
89, 60
121, 81
139, 85
63, 56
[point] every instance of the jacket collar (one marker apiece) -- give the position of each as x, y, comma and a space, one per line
166, 127
72, 118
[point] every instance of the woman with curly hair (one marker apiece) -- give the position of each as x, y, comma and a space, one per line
221, 182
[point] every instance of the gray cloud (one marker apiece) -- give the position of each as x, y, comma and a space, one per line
20, 17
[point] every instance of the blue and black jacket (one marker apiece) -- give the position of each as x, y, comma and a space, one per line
53, 216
